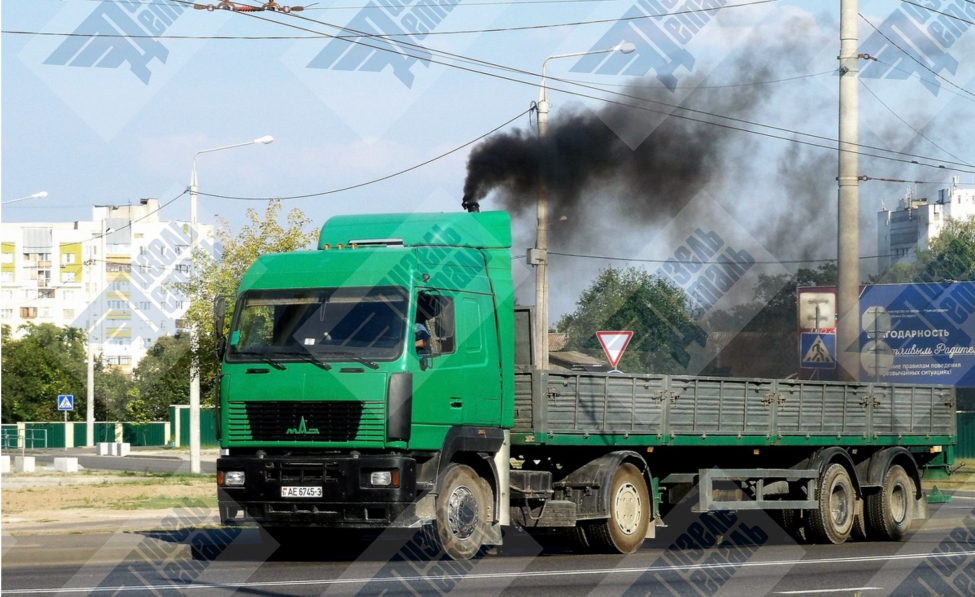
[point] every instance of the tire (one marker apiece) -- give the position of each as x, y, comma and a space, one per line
791, 522
629, 514
860, 530
889, 512
463, 512
832, 520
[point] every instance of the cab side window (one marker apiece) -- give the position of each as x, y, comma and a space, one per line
435, 313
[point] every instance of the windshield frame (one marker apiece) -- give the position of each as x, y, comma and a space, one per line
339, 356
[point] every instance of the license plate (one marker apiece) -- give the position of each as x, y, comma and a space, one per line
301, 492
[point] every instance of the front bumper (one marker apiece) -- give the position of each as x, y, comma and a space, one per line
348, 500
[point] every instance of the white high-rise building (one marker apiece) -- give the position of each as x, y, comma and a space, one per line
112, 275
916, 222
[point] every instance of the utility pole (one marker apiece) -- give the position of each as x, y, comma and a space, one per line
90, 403
848, 245
541, 249
194, 340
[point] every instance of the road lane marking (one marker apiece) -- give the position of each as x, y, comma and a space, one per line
473, 576
821, 591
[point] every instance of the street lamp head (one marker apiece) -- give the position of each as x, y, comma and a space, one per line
625, 48
41, 195
264, 140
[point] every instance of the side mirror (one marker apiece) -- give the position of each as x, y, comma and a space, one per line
219, 311
424, 363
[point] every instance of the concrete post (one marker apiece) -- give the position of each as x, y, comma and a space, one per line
848, 248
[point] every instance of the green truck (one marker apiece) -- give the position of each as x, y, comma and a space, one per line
386, 380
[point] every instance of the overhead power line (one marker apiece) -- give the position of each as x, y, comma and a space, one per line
429, 51
375, 180
408, 35
911, 56
907, 124
421, 3
949, 15
129, 225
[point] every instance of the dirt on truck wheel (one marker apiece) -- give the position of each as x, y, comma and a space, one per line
630, 509
889, 512
463, 512
832, 520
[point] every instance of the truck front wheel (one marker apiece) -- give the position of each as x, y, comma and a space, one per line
832, 520
463, 512
629, 514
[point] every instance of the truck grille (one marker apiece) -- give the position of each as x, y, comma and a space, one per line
303, 421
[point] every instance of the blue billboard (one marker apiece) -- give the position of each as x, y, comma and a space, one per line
931, 334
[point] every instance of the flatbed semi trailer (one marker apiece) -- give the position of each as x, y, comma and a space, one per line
387, 379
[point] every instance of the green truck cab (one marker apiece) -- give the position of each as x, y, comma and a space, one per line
386, 379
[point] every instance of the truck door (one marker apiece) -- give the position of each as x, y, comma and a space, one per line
440, 391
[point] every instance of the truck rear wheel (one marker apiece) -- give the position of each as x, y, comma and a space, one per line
463, 512
889, 511
832, 520
629, 514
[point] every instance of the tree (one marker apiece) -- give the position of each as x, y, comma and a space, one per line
633, 299
47, 361
950, 258
161, 378
220, 275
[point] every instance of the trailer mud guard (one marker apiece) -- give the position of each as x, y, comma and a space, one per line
822, 458
598, 475
874, 468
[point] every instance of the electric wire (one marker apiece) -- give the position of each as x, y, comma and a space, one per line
515, 29
629, 96
359, 34
129, 225
375, 180
903, 51
928, 8
907, 124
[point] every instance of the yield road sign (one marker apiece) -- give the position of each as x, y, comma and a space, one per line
614, 344
65, 402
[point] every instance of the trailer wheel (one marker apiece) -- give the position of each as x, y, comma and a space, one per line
860, 531
832, 520
889, 511
463, 509
629, 514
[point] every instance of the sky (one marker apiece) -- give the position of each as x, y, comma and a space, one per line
111, 120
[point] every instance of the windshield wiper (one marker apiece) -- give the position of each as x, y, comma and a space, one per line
310, 358
353, 357
263, 358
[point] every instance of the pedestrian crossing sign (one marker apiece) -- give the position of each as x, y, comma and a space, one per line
65, 402
817, 351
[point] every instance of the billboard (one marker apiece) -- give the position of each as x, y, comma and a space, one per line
910, 333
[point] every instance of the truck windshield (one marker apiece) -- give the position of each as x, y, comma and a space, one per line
367, 323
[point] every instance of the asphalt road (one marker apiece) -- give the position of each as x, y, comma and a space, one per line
767, 563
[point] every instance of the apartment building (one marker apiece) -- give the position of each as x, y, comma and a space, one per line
112, 275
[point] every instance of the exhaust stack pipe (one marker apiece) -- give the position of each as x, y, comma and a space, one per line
470, 204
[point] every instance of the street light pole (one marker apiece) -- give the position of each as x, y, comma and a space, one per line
848, 241
41, 195
194, 331
540, 259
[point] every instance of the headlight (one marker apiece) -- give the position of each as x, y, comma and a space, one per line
233, 479
381, 478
